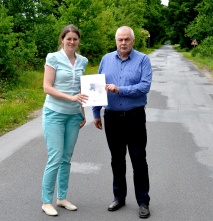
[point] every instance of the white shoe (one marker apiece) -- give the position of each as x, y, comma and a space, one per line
66, 205
50, 211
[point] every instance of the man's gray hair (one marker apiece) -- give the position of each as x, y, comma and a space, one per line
132, 32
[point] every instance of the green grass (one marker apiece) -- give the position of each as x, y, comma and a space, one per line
204, 64
18, 104
91, 70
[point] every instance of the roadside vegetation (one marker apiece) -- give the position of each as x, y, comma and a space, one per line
205, 64
18, 102
18, 105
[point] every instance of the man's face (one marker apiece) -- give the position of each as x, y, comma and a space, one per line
124, 41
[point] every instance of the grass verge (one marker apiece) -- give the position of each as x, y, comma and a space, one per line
18, 105
204, 64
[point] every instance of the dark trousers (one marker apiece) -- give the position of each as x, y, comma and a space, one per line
128, 129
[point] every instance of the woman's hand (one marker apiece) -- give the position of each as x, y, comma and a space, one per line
83, 122
81, 98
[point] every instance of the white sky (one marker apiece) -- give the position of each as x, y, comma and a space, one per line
165, 2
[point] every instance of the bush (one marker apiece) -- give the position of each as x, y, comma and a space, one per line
17, 51
205, 49
8, 40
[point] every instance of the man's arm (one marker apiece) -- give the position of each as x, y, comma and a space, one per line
97, 116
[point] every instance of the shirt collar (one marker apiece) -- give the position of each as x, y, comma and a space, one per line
62, 50
130, 54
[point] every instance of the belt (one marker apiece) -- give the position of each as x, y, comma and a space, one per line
124, 113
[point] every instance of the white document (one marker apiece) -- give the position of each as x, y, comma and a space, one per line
94, 86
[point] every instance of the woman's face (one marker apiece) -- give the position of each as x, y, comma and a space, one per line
70, 42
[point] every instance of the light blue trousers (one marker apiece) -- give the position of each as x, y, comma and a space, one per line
60, 133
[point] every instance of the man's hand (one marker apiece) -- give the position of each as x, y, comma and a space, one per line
98, 123
112, 88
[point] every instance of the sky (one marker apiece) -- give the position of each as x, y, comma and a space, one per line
165, 2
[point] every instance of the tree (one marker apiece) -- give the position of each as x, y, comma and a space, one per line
36, 24
33, 21
8, 40
181, 13
155, 21
202, 26
84, 14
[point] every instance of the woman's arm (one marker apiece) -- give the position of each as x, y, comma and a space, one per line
84, 120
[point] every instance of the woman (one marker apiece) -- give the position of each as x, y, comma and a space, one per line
63, 116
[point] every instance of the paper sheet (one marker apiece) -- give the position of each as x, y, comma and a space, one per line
94, 86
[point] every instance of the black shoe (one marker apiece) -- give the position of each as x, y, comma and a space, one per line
115, 205
144, 211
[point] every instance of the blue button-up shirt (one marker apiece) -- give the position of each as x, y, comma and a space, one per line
132, 76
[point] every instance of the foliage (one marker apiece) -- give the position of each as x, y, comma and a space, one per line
8, 41
155, 21
181, 13
203, 63
30, 29
205, 49
191, 20
202, 26
46, 39
201, 29
17, 104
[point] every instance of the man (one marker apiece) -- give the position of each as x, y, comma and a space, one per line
128, 80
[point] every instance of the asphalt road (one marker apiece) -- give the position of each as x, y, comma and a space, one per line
179, 155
